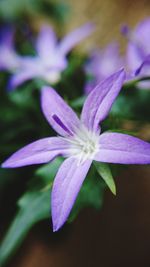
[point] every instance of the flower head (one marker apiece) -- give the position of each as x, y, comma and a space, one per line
79, 142
50, 59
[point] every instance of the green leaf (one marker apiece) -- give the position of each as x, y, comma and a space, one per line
49, 169
33, 207
23, 97
137, 107
104, 171
47, 172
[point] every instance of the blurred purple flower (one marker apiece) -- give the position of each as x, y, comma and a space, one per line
101, 64
81, 142
138, 52
51, 59
9, 59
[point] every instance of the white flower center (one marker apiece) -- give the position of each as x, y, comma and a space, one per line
52, 76
84, 145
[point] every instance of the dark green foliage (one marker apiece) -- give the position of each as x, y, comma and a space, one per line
13, 10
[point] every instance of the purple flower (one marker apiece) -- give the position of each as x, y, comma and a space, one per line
51, 59
9, 60
81, 142
101, 64
138, 52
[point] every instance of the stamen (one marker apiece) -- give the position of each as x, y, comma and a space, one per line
61, 124
83, 145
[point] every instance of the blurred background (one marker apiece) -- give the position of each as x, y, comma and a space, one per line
119, 234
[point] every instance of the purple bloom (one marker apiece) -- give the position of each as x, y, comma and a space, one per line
138, 52
9, 60
101, 64
81, 142
51, 59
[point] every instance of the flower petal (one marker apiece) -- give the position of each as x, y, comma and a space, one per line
46, 42
7, 36
9, 59
100, 100
48, 51
19, 78
144, 85
122, 148
75, 37
65, 189
146, 62
30, 67
138, 47
60, 116
134, 56
103, 63
142, 34
40, 151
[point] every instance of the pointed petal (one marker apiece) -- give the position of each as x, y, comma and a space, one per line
30, 68
135, 56
19, 78
46, 42
60, 116
89, 87
124, 149
100, 100
7, 36
142, 34
75, 37
48, 53
9, 59
138, 47
65, 189
146, 62
105, 62
40, 151
144, 85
